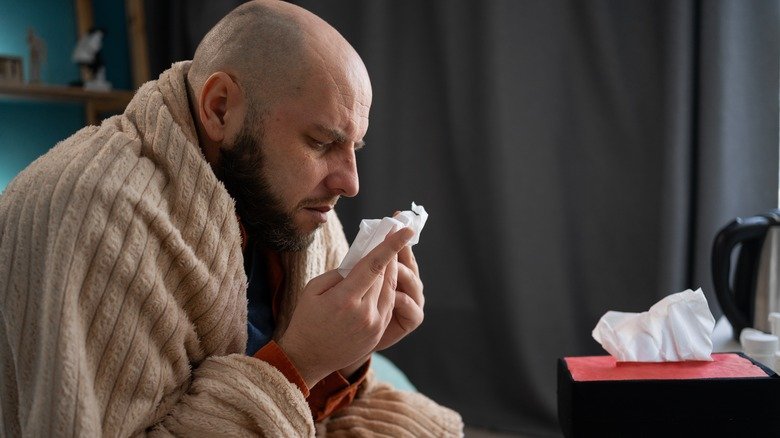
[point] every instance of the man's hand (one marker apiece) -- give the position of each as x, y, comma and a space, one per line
336, 321
409, 301
408, 306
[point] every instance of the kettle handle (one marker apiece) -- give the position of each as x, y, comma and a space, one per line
737, 231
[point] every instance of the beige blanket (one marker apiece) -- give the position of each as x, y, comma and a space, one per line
123, 296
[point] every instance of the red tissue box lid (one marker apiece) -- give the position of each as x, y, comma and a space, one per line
599, 368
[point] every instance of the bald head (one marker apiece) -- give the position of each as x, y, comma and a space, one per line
281, 104
269, 48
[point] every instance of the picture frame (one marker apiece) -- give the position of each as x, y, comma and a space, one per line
11, 70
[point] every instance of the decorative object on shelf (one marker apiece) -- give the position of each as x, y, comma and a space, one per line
96, 101
11, 70
87, 54
38, 54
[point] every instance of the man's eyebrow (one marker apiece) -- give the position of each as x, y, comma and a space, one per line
338, 136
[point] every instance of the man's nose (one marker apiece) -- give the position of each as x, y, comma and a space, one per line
343, 176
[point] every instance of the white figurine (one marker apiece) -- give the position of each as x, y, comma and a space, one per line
87, 53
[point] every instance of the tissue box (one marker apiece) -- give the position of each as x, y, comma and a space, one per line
731, 396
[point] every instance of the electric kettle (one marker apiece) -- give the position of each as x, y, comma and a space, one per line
753, 291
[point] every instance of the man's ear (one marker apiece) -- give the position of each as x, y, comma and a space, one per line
221, 108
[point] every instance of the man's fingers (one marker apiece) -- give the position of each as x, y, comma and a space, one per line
386, 298
410, 284
408, 314
406, 257
326, 281
373, 265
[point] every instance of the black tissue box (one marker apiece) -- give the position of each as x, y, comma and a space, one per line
689, 407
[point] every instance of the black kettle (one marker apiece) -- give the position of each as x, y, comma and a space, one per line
753, 291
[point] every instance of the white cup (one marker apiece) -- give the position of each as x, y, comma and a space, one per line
777, 362
774, 323
760, 346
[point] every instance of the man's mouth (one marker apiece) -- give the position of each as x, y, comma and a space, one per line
322, 209
319, 212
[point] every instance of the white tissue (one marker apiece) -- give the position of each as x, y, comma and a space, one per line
677, 328
373, 231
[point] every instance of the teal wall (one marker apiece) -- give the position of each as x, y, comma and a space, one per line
110, 15
30, 128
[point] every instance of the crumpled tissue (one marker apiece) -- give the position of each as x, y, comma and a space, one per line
373, 231
677, 328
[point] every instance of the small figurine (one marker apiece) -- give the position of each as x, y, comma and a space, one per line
87, 54
37, 47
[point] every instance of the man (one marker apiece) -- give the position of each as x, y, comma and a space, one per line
128, 249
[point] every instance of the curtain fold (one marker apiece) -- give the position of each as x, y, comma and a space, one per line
575, 157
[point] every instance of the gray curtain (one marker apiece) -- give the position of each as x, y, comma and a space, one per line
575, 157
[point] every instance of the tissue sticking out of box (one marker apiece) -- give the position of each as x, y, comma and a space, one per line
677, 328
373, 231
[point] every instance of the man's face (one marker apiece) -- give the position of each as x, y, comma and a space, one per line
242, 168
289, 166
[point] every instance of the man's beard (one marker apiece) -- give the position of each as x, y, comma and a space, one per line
241, 170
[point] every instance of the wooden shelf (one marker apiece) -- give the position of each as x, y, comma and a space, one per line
96, 103
105, 99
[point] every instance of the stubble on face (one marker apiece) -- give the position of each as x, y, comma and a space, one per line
241, 169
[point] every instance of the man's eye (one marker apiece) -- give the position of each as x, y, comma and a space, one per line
319, 145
